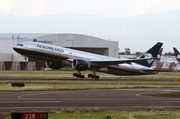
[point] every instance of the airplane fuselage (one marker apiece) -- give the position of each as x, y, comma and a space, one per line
55, 54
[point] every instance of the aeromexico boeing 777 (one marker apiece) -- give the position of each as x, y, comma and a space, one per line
79, 60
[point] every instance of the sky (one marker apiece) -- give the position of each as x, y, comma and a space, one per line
104, 8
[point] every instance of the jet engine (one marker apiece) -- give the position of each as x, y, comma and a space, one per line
53, 65
80, 64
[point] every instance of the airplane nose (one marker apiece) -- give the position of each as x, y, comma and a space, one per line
17, 49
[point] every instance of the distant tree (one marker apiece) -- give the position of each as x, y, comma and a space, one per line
137, 54
169, 54
127, 51
121, 53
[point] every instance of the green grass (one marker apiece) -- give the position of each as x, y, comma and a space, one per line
118, 115
44, 85
76, 114
79, 85
68, 74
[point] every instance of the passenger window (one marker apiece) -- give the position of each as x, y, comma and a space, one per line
19, 44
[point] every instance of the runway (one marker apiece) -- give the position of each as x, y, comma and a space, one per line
106, 99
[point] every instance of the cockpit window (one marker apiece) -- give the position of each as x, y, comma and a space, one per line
19, 44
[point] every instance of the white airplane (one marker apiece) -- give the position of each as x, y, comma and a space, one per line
79, 60
137, 68
177, 54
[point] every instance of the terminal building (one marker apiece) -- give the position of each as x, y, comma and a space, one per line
10, 60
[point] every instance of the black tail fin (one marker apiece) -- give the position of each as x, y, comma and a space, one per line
177, 54
159, 54
153, 52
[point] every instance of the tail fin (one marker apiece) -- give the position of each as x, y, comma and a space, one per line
177, 54
157, 60
153, 52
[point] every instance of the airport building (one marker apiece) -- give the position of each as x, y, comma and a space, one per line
10, 60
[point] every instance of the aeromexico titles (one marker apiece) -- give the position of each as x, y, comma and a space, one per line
57, 57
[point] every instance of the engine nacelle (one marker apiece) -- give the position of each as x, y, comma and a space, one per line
80, 64
53, 65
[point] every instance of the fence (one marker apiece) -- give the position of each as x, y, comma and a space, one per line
30, 66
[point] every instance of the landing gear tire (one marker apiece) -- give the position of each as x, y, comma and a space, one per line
82, 76
97, 77
93, 76
89, 75
78, 75
75, 74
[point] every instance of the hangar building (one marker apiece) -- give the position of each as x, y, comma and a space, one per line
75, 41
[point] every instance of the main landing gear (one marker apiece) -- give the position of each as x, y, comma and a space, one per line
93, 76
79, 75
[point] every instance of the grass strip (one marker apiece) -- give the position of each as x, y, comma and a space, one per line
57, 85
96, 114
45, 85
68, 74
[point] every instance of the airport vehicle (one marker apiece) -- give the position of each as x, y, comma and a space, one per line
137, 68
61, 57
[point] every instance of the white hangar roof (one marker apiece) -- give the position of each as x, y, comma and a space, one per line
75, 41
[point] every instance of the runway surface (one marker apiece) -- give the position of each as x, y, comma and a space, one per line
110, 99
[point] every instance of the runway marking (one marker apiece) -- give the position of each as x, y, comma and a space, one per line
35, 101
138, 94
143, 94
172, 101
32, 94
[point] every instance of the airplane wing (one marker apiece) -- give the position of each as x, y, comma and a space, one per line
116, 62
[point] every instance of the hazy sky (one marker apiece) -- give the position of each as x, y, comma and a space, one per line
105, 8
